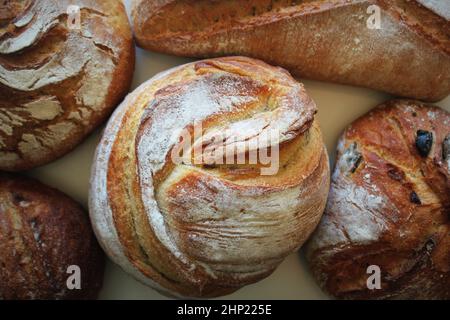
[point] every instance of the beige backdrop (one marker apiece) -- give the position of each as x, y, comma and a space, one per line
338, 107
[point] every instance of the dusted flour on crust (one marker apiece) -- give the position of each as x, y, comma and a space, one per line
58, 81
201, 231
388, 206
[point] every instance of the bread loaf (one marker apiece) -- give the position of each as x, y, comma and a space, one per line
64, 66
46, 241
201, 228
406, 54
389, 207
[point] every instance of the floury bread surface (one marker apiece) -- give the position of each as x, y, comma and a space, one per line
58, 79
389, 207
406, 54
202, 230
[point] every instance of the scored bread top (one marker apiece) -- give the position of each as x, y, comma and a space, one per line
43, 233
389, 206
200, 230
59, 79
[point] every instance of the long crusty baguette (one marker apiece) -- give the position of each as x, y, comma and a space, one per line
324, 40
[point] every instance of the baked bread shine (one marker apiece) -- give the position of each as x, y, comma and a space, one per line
61, 75
398, 46
202, 230
389, 206
43, 235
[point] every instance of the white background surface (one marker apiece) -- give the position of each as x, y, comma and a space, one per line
338, 107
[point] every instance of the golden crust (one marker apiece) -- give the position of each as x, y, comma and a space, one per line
325, 40
389, 206
42, 233
201, 231
58, 83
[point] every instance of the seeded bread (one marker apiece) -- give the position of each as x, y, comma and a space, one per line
389, 206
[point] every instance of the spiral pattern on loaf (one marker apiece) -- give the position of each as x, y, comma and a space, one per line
196, 230
62, 70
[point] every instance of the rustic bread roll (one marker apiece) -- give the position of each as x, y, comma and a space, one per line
200, 228
389, 206
42, 234
58, 82
325, 40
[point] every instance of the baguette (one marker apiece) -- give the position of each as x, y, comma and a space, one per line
59, 80
325, 40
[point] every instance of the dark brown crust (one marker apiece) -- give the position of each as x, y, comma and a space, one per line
407, 234
42, 233
109, 22
406, 57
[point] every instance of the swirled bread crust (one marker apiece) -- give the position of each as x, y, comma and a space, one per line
407, 54
389, 206
204, 231
42, 233
57, 83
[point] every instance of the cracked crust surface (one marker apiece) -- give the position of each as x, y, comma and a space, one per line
389, 206
42, 233
58, 83
325, 40
204, 231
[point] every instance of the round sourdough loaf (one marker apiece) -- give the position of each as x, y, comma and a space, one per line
202, 228
389, 207
63, 68
47, 247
